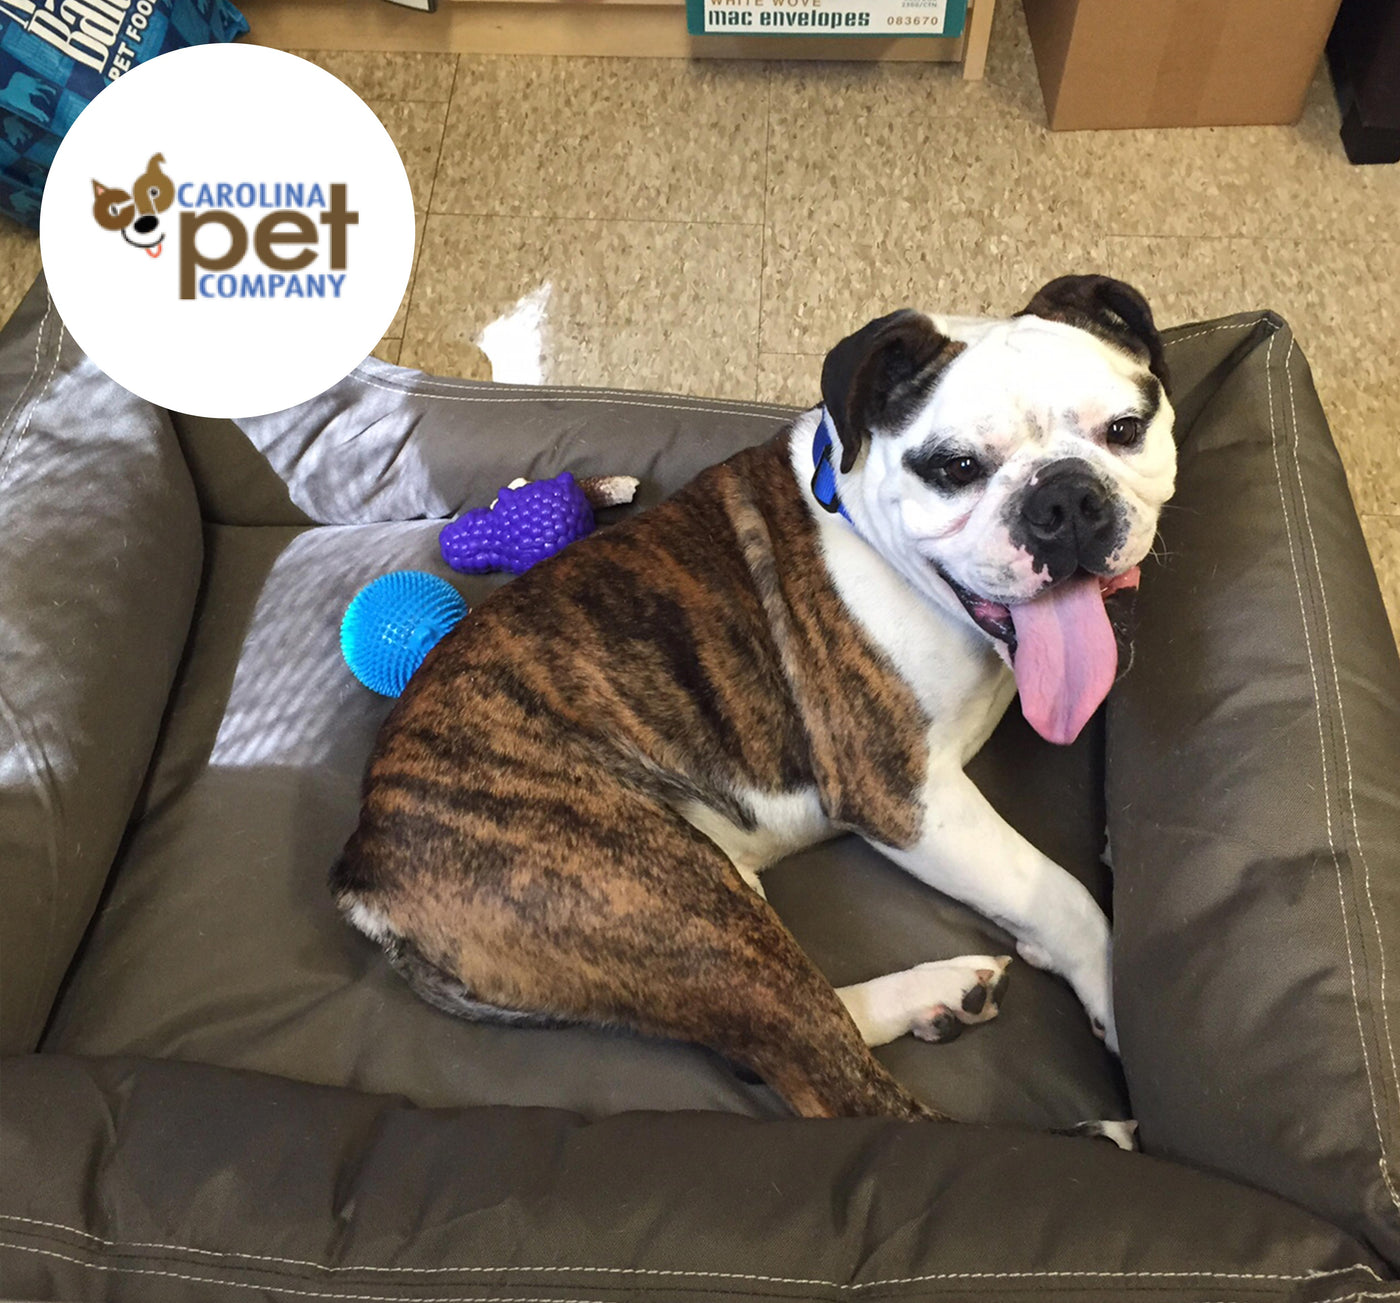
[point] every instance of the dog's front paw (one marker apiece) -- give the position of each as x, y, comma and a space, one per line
959, 992
1087, 965
1096, 991
1105, 1030
934, 1001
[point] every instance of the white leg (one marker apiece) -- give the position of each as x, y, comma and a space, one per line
967, 850
933, 1001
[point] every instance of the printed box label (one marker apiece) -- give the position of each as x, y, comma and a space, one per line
826, 17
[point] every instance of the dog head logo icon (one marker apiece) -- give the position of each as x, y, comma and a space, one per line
135, 214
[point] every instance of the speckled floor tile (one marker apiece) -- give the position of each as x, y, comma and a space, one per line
387, 350
1263, 182
605, 138
821, 282
1343, 302
663, 305
415, 127
19, 264
1383, 538
395, 329
1011, 173
791, 378
1277, 182
910, 173
398, 76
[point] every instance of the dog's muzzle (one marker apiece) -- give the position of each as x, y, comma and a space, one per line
1066, 521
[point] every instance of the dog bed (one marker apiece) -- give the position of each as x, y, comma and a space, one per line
215, 1087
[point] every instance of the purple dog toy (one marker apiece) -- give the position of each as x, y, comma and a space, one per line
524, 525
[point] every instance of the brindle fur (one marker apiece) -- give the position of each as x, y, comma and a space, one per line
520, 836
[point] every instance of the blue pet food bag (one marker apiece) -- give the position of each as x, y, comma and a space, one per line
55, 58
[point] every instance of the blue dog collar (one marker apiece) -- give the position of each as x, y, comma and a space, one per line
824, 473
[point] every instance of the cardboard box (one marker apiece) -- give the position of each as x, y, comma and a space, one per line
1176, 63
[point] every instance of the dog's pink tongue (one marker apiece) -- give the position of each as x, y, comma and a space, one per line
1066, 657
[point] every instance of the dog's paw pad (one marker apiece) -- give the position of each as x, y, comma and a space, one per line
986, 995
938, 1025
1121, 1132
976, 999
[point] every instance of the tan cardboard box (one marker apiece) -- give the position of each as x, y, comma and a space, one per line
1176, 63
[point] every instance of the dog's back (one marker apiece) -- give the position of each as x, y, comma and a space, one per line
643, 653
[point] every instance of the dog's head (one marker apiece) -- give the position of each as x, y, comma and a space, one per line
1013, 471
136, 214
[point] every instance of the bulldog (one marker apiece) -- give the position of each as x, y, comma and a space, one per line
568, 811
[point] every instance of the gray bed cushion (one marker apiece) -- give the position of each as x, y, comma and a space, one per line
1254, 804
280, 1190
388, 443
1282, 1079
100, 553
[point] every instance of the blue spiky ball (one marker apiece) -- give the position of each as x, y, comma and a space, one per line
393, 623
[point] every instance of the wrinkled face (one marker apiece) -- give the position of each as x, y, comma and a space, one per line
1013, 471
1041, 452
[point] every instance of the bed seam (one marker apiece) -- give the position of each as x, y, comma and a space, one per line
1350, 787
546, 395
357, 1297
17, 438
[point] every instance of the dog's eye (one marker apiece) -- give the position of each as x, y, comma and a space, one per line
959, 472
1125, 431
944, 469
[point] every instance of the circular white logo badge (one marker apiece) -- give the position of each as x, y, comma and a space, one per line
227, 230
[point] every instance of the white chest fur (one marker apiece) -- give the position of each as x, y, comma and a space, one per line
959, 680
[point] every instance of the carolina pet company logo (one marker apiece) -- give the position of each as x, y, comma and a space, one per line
286, 225
216, 250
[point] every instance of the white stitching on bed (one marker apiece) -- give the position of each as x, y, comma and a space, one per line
704, 1275
18, 437
7, 462
34, 370
548, 391
545, 395
440, 1298
1120, 1275
1346, 750
1322, 747
11, 455
279, 1289
1210, 330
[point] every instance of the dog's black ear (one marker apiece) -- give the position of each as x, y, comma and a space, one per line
876, 378
1111, 309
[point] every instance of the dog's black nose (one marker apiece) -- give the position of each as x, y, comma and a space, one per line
145, 225
1068, 519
